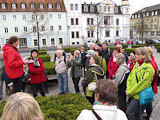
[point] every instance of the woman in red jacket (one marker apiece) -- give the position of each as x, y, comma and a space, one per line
36, 71
112, 65
13, 63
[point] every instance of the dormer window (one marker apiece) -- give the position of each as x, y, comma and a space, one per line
50, 6
92, 8
85, 8
14, 6
152, 13
3, 5
41, 6
116, 10
23, 6
58, 6
32, 5
156, 12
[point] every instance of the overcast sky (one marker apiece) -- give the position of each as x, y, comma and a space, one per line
135, 5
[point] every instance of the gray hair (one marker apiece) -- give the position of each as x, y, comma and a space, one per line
59, 47
59, 51
121, 58
77, 51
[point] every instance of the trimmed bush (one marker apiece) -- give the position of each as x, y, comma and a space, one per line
50, 67
42, 52
70, 50
64, 107
130, 50
111, 47
124, 46
139, 45
45, 57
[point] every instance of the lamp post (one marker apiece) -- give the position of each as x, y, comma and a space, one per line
68, 28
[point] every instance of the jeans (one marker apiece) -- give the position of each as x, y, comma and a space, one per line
133, 110
148, 108
63, 82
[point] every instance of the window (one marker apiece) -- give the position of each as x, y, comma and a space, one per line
88, 23
77, 34
23, 5
92, 8
92, 33
156, 12
50, 6
71, 6
106, 20
60, 27
14, 6
16, 29
32, 5
41, 6
77, 43
152, 33
60, 40
23, 42
50, 15
14, 17
33, 17
88, 34
43, 28
35, 42
6, 30
44, 42
91, 21
76, 6
105, 8
72, 34
51, 28
85, 8
58, 6
117, 33
4, 17
52, 41
59, 16
3, 5
73, 43
42, 17
34, 28
76, 21
72, 21
158, 33
24, 17
117, 21
107, 33
109, 8
25, 29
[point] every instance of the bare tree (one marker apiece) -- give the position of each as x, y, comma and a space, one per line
38, 22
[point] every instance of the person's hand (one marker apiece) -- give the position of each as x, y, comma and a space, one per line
11, 88
25, 62
127, 94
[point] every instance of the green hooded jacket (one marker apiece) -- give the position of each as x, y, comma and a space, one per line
103, 64
90, 77
144, 74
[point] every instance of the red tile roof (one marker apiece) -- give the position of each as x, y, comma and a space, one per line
28, 3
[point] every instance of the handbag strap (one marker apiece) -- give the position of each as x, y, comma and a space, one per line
97, 116
136, 77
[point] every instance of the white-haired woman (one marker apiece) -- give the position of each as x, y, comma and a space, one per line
132, 61
76, 71
120, 79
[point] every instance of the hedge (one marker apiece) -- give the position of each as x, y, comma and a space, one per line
130, 50
124, 46
139, 45
42, 52
50, 67
45, 57
64, 107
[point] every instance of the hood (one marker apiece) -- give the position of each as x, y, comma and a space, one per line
97, 70
7, 47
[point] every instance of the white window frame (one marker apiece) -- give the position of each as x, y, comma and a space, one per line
58, 6
14, 17
50, 6
14, 6
32, 6
4, 17
76, 6
41, 5
23, 6
3, 5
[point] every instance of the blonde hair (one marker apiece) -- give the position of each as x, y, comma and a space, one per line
150, 50
144, 52
22, 106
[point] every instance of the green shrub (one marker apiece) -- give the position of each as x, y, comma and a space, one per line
50, 67
70, 50
64, 107
42, 52
124, 46
111, 47
45, 58
130, 50
139, 45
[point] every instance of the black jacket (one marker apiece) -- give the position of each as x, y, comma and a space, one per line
107, 54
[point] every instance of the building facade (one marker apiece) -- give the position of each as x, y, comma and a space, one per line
35, 22
145, 23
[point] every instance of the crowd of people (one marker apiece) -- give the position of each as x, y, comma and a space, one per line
111, 81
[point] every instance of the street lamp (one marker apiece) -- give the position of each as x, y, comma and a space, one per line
68, 27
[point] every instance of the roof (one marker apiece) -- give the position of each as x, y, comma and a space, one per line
148, 9
28, 8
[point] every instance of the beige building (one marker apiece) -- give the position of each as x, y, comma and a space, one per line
145, 23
